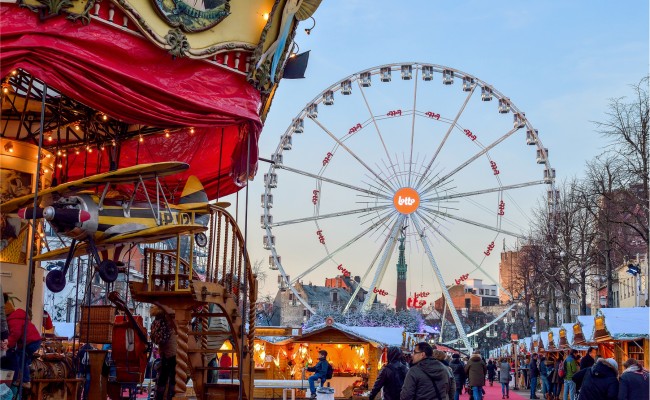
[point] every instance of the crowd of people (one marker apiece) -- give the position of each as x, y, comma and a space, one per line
589, 377
432, 374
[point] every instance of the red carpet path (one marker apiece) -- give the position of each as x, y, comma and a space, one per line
494, 393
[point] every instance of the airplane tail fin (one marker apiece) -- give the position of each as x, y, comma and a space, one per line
193, 195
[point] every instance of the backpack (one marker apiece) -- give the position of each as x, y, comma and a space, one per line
398, 379
330, 371
560, 370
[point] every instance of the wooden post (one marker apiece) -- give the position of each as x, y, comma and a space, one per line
98, 382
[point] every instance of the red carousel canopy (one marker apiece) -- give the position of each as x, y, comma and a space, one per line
133, 81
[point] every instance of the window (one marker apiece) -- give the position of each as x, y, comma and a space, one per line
494, 292
468, 303
334, 296
480, 291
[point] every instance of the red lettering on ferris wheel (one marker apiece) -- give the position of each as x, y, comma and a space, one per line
380, 291
461, 279
422, 294
413, 302
394, 113
327, 158
469, 134
345, 272
502, 208
432, 115
489, 249
314, 197
321, 238
494, 167
354, 129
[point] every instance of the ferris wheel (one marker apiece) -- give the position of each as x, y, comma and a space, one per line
413, 153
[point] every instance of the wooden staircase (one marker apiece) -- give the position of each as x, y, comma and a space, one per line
210, 308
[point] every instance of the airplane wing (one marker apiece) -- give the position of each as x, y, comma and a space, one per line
149, 235
123, 175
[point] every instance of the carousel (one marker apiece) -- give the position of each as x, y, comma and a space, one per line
123, 123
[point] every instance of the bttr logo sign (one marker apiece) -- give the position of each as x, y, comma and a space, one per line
406, 200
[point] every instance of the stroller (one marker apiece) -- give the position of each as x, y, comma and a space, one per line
468, 390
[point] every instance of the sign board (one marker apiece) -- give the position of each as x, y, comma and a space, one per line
277, 331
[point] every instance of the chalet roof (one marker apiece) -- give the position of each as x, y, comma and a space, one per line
624, 324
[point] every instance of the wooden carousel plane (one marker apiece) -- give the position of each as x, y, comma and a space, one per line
97, 222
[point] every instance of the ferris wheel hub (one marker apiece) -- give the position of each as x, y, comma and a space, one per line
406, 200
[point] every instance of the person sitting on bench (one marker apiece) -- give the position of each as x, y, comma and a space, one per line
320, 370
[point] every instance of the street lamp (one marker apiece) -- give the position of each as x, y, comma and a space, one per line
635, 270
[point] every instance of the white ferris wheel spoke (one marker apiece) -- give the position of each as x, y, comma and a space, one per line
374, 121
442, 143
332, 215
339, 249
383, 263
471, 159
441, 282
353, 154
484, 191
415, 98
365, 275
335, 182
462, 253
467, 221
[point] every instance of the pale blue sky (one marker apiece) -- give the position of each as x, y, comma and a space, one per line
559, 61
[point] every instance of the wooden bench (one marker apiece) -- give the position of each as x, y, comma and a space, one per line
287, 386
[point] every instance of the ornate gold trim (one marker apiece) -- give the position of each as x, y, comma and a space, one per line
164, 41
51, 8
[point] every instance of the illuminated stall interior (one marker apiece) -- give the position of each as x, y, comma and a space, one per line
356, 355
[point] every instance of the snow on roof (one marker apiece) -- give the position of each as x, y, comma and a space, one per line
544, 337
64, 329
568, 327
556, 336
627, 323
379, 335
587, 322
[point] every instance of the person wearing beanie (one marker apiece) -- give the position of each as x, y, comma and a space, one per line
635, 382
391, 377
600, 382
16, 318
458, 369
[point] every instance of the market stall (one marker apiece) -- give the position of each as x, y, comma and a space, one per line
354, 352
622, 333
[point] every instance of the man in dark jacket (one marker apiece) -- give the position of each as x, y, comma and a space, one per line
320, 372
588, 360
598, 382
476, 370
428, 378
391, 377
534, 375
635, 382
458, 369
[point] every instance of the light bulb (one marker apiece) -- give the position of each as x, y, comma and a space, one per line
141, 139
265, 16
191, 130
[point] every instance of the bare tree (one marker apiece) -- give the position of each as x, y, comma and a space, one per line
626, 127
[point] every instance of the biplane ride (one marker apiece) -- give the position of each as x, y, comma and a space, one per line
97, 220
